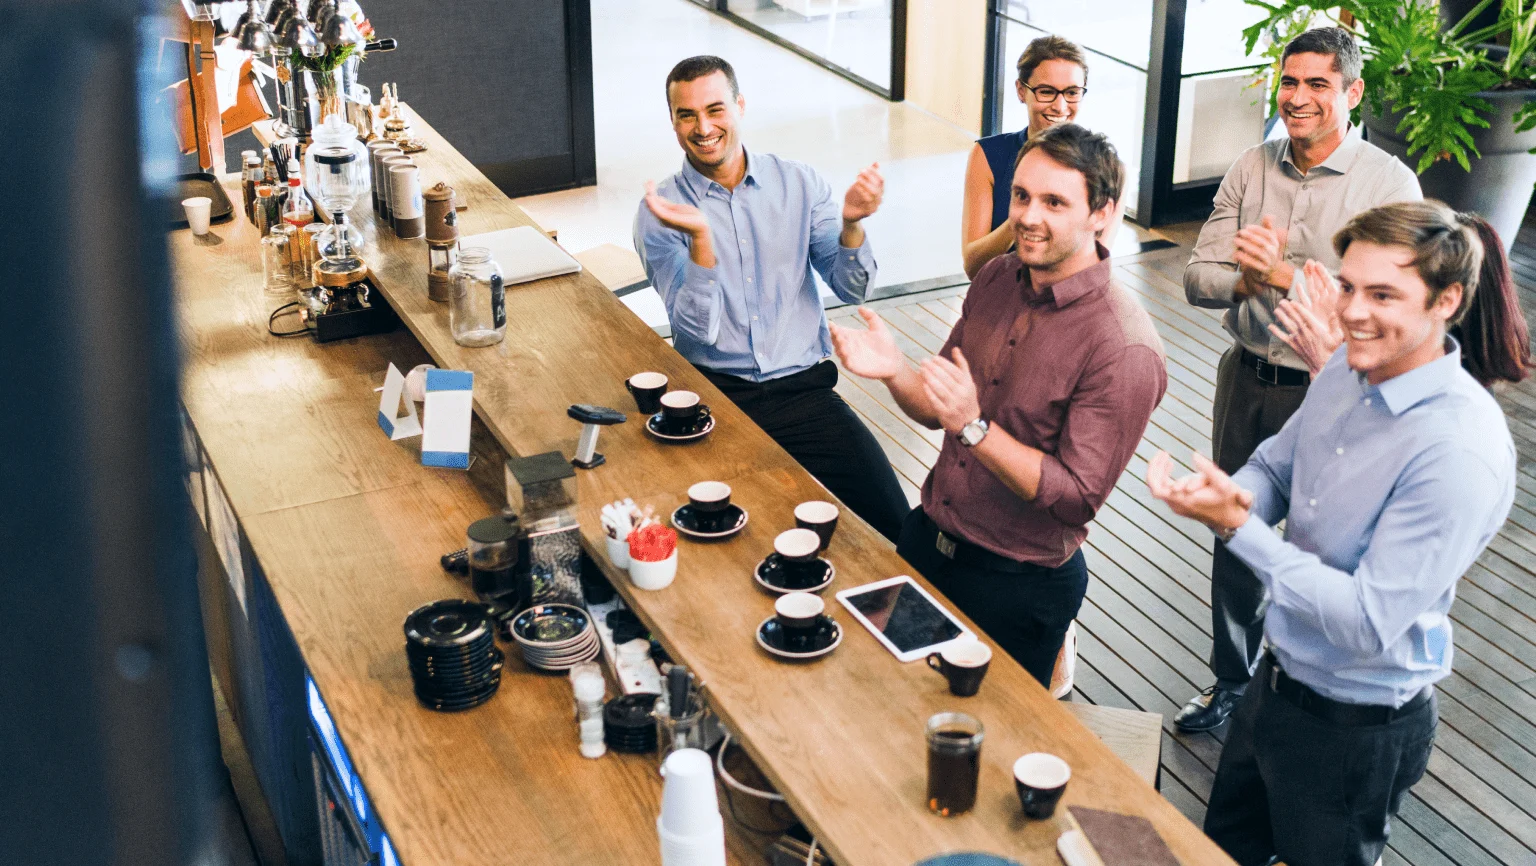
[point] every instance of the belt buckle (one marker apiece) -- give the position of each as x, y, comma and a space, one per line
945, 545
1273, 378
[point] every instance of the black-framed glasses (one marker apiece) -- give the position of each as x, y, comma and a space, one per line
1046, 94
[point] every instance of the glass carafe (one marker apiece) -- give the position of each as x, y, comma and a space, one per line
477, 312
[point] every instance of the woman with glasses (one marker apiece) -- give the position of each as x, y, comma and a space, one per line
1053, 76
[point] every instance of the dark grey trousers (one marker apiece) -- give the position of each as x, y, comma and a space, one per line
1313, 792
1246, 412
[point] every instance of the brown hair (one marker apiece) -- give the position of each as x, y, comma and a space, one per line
1495, 342
1450, 248
1090, 153
1049, 48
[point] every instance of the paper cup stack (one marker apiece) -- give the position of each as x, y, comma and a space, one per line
691, 830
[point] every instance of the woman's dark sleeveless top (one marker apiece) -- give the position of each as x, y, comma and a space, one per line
1000, 151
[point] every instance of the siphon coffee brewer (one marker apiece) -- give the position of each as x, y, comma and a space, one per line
442, 240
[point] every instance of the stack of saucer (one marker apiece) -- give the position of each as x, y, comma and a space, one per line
554, 637
451, 647
628, 726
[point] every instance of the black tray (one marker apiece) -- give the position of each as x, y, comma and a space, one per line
205, 184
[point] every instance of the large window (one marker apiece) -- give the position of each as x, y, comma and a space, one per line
860, 39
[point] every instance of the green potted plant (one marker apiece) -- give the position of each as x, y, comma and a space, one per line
1456, 107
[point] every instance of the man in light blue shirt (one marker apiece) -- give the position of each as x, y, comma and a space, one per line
730, 243
1392, 476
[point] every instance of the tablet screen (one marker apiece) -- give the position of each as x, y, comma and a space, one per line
907, 618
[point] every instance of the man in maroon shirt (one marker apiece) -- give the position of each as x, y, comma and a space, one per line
1043, 390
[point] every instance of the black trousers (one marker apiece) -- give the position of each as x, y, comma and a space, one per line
1247, 411
1026, 612
808, 419
1311, 791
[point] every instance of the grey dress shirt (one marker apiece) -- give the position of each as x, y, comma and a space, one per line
1388, 492
1356, 177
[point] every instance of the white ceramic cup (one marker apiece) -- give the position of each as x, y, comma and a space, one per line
653, 575
618, 551
198, 208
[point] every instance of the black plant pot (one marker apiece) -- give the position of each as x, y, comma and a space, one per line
1452, 11
1500, 184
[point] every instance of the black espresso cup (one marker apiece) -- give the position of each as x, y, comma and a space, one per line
647, 389
819, 517
710, 501
682, 411
1040, 779
799, 613
963, 664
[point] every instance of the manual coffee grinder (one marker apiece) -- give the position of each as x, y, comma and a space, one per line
442, 240
541, 504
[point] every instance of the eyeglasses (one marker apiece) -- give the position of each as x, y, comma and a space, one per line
1047, 95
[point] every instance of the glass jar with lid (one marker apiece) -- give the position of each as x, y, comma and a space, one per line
477, 312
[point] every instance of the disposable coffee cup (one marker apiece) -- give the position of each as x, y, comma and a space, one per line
819, 517
647, 389
688, 803
199, 209
797, 611
963, 664
1040, 779
797, 545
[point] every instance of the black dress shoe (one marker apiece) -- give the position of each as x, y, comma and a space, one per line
1207, 710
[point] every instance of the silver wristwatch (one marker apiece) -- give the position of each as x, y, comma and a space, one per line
972, 433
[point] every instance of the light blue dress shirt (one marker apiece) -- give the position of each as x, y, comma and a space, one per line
1389, 492
757, 313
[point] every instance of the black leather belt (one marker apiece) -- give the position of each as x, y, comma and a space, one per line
1338, 712
966, 553
1273, 374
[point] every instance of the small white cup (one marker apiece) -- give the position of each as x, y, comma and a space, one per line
618, 551
198, 208
653, 575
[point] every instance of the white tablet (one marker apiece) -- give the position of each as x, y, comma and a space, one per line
904, 617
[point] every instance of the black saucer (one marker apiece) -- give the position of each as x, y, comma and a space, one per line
813, 643
657, 425
687, 520
776, 574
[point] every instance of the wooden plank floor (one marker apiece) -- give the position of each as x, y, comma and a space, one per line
1145, 630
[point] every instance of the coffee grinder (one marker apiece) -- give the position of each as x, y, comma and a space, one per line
343, 303
541, 504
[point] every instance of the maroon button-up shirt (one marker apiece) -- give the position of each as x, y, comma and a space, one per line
1073, 369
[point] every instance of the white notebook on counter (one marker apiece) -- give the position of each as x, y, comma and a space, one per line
524, 254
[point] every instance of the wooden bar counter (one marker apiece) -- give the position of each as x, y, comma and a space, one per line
347, 528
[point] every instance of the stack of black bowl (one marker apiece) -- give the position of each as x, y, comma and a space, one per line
451, 646
628, 725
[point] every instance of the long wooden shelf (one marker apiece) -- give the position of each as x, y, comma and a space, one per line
347, 527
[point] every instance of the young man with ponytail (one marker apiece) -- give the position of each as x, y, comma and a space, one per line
1391, 477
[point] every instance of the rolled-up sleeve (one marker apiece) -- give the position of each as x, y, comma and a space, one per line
848, 272
692, 294
1105, 419
1211, 275
1432, 527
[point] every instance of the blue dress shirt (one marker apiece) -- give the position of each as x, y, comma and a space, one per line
1389, 492
757, 313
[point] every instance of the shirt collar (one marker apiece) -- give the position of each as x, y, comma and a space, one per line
698, 184
1402, 393
1338, 162
1080, 284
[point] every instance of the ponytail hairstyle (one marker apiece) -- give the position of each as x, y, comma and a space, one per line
1495, 341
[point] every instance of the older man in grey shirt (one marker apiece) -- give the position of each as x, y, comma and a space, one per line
1279, 205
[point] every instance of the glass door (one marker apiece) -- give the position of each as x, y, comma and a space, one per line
860, 39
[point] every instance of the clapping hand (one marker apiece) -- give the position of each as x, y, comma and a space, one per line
950, 390
1260, 251
684, 218
863, 198
1312, 326
871, 353
1209, 495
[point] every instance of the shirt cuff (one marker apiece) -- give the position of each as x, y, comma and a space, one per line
1257, 545
861, 255
1215, 284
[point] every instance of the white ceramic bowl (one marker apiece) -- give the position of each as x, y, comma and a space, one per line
653, 575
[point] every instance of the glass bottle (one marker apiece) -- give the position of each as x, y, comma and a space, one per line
477, 312
297, 211
249, 178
